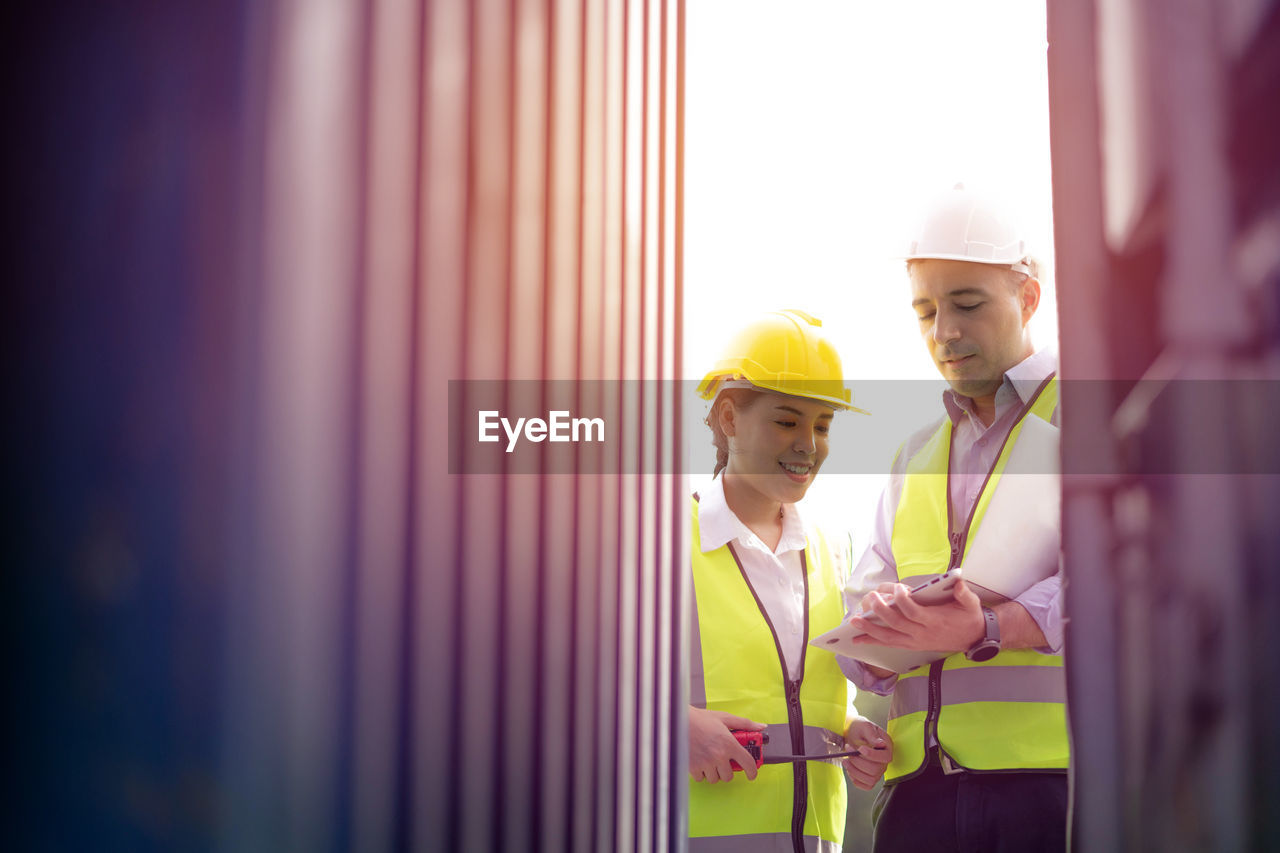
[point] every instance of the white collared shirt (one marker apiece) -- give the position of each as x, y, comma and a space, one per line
777, 576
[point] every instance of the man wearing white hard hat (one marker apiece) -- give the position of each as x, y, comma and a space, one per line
979, 733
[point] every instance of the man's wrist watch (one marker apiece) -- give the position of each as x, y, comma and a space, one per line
989, 646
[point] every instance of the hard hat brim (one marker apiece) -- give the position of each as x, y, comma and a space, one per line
1017, 265
711, 386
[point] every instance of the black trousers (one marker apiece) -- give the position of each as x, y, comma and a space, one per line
972, 813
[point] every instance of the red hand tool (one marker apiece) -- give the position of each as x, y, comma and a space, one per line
753, 743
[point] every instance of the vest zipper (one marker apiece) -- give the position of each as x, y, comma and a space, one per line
934, 710
795, 713
935, 702
800, 802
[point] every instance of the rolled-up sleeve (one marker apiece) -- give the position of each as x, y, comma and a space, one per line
1044, 602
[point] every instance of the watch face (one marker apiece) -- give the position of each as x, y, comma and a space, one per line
984, 652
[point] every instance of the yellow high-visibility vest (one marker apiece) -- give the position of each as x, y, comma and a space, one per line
737, 666
1006, 713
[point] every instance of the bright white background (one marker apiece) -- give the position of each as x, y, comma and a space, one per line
815, 133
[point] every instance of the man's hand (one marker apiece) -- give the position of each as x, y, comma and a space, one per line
877, 750
950, 627
712, 745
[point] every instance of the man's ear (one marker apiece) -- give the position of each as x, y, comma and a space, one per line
1029, 297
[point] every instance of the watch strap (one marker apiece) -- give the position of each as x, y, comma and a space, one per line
991, 623
989, 645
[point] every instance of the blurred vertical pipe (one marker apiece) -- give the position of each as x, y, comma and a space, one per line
390, 163
1081, 269
681, 603
524, 583
429, 803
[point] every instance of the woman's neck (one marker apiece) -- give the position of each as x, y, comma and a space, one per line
761, 514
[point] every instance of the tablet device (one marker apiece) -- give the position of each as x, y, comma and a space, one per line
936, 590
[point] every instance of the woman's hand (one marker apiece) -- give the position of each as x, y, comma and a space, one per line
712, 745
877, 750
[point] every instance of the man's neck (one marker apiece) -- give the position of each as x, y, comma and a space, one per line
984, 408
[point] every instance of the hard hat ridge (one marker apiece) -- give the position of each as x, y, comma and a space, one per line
963, 225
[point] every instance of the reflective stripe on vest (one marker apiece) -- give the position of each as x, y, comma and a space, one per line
778, 841
737, 667
1008, 713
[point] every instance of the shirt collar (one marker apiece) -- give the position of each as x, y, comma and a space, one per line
1020, 382
717, 525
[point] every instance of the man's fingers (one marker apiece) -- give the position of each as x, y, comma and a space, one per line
873, 634
905, 605
963, 593
901, 611
892, 613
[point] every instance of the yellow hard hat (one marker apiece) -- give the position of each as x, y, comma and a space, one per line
783, 351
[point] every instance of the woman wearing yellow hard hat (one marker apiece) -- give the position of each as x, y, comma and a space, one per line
765, 584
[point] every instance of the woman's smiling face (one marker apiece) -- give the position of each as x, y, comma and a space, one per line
777, 443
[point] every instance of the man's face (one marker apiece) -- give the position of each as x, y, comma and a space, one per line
973, 319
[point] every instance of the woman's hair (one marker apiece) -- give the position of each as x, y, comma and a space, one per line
742, 399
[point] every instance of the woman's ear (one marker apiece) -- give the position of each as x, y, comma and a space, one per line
727, 416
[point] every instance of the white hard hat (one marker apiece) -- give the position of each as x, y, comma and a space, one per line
964, 226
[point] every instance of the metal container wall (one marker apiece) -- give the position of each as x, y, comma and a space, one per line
460, 191
266, 239
1167, 199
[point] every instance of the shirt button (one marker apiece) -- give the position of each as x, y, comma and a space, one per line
795, 630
